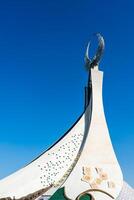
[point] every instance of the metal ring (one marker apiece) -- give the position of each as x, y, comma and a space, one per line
94, 190
96, 59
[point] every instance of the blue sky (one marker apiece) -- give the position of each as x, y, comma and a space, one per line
42, 78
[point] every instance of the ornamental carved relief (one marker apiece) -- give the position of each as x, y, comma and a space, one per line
95, 177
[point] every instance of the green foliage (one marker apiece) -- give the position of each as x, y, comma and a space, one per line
59, 195
86, 197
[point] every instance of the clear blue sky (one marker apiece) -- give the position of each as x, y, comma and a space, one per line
42, 78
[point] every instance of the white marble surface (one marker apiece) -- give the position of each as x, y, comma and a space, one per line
97, 153
127, 193
49, 168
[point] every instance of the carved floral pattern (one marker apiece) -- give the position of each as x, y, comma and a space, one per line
95, 176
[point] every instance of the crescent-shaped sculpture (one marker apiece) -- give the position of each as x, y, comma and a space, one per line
91, 63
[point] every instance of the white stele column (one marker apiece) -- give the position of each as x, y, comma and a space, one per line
97, 167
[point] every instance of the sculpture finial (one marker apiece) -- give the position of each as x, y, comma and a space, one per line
96, 59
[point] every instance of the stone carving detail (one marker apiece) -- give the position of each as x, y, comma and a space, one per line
61, 181
95, 176
62, 158
31, 196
